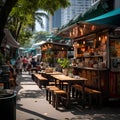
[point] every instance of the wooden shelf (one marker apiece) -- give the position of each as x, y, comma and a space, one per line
90, 68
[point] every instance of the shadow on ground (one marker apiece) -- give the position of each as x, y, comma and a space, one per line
111, 111
34, 113
32, 94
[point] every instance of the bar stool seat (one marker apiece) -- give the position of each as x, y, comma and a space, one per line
49, 90
57, 94
92, 95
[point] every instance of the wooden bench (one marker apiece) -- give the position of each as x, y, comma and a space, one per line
40, 80
92, 95
57, 95
53, 93
49, 90
63, 85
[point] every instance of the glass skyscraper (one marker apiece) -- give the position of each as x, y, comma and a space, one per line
63, 16
77, 7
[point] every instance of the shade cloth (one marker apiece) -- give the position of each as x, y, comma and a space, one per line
111, 18
9, 40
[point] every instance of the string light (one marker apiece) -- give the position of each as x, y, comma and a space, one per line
83, 42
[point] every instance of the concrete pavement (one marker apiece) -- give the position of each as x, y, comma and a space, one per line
32, 105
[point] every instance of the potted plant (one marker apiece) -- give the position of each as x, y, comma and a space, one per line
64, 63
49, 57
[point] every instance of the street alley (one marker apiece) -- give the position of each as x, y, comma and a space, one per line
32, 105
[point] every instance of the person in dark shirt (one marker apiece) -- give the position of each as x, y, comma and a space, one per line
33, 62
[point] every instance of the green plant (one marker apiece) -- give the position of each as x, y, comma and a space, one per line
49, 56
64, 62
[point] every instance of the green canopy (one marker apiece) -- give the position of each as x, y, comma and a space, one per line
111, 18
97, 9
56, 37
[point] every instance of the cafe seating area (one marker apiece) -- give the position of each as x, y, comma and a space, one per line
64, 91
92, 96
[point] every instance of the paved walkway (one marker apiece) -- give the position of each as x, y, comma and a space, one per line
32, 105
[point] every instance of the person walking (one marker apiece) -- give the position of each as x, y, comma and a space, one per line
33, 65
25, 63
18, 65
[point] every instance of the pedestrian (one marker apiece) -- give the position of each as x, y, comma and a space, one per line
33, 62
18, 65
25, 63
38, 61
29, 64
33, 65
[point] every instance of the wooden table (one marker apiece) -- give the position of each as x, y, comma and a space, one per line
34, 69
51, 73
63, 78
39, 79
48, 75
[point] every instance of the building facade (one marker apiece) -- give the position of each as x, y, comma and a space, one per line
77, 7
63, 16
54, 21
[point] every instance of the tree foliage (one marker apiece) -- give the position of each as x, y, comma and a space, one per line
40, 36
21, 14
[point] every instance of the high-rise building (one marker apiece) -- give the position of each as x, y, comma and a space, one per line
77, 7
94, 1
63, 16
55, 21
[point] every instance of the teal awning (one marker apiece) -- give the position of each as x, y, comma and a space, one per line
56, 37
111, 18
29, 50
97, 9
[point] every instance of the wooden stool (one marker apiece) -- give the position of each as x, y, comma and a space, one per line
49, 89
94, 97
62, 86
56, 95
91, 95
51, 83
76, 91
39, 79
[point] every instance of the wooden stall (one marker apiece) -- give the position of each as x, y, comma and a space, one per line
91, 57
114, 76
96, 40
51, 51
97, 57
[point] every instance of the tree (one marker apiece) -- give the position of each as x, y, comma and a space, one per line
4, 13
25, 38
22, 18
40, 36
47, 5
19, 21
